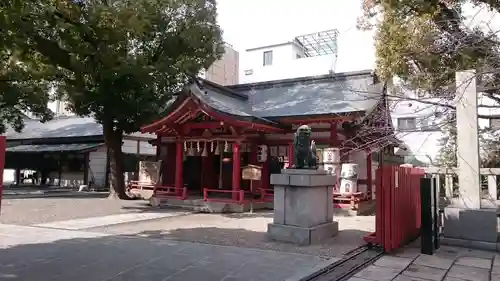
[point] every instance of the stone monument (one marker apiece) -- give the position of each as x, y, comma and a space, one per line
469, 218
303, 208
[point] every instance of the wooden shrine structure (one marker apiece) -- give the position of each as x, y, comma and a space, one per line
209, 132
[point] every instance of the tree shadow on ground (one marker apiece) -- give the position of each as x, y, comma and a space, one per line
144, 206
58, 194
58, 255
247, 215
344, 242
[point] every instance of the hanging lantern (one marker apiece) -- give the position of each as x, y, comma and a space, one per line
212, 146
191, 150
205, 152
185, 146
217, 150
226, 147
198, 148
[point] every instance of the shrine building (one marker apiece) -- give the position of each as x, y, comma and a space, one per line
210, 132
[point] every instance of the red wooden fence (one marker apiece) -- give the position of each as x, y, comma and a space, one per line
398, 207
3, 145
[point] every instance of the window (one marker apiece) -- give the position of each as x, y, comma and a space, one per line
494, 124
268, 58
428, 125
424, 123
407, 124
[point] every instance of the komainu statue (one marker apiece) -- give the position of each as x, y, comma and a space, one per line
304, 149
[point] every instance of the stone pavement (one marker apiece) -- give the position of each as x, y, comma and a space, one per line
79, 224
44, 254
447, 264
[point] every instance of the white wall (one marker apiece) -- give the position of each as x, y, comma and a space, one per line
297, 51
9, 176
311, 66
129, 146
424, 144
97, 166
421, 143
285, 64
144, 148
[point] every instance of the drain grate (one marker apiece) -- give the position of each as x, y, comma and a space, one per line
347, 267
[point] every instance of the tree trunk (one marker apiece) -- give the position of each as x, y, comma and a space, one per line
113, 140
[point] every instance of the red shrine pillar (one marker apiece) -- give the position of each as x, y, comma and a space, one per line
236, 170
178, 168
264, 181
290, 155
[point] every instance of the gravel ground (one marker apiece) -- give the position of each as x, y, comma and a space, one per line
243, 230
42, 209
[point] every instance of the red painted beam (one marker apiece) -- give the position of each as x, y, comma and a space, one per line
204, 125
182, 109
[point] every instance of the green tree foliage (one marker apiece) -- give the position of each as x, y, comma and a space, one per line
426, 42
24, 82
119, 61
447, 156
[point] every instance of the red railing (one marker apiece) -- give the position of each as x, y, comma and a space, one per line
259, 195
266, 195
139, 185
168, 191
239, 198
161, 191
398, 207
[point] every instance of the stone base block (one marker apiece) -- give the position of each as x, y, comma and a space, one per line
470, 224
478, 245
302, 235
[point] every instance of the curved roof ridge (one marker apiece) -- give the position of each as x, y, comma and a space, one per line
316, 78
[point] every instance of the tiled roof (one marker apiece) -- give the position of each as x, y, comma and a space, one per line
328, 94
338, 93
226, 101
60, 127
54, 147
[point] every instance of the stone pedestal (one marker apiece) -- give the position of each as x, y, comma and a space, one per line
303, 208
471, 224
468, 218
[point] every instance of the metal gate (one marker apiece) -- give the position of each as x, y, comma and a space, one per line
398, 214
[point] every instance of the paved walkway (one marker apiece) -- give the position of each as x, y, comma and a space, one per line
79, 224
43, 254
448, 264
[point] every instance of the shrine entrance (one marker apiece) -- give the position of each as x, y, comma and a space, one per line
192, 175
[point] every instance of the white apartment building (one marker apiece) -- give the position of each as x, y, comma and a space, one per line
418, 123
305, 55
